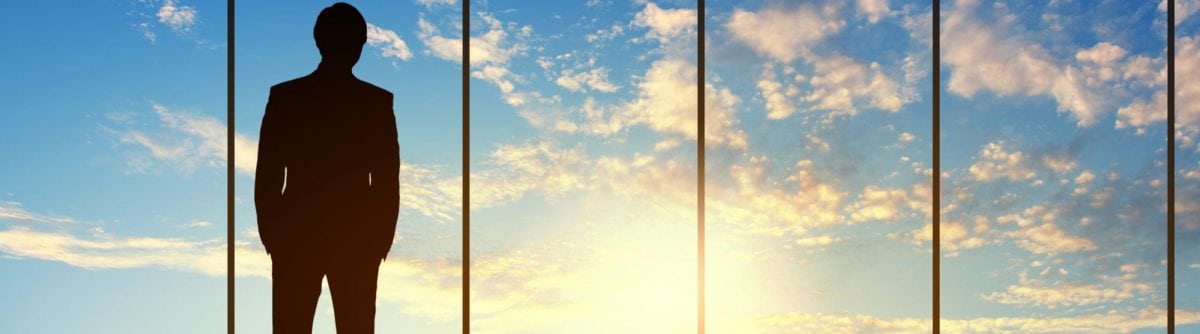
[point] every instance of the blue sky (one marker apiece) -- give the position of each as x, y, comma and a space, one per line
583, 164
112, 210
1054, 164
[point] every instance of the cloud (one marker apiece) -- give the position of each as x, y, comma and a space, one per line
667, 98
185, 142
823, 240
955, 235
666, 24
11, 210
1103, 53
1141, 113
1082, 181
1183, 9
433, 3
873, 9
596, 78
1109, 322
784, 34
805, 201
666, 103
1187, 93
1067, 294
1049, 238
390, 45
448, 49
984, 59
104, 251
889, 204
179, 18
1059, 163
778, 104
603, 35
841, 85
995, 162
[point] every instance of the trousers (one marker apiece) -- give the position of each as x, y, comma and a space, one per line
296, 287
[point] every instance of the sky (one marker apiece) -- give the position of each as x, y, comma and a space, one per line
111, 209
583, 164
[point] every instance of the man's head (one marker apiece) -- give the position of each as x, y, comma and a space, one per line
340, 32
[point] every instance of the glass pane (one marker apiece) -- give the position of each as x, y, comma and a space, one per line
1053, 200
419, 288
583, 172
112, 185
818, 166
1187, 168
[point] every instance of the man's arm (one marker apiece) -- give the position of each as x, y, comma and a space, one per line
385, 181
269, 174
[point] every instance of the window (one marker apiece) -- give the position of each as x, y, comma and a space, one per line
1053, 204
583, 173
1187, 170
419, 287
818, 166
112, 112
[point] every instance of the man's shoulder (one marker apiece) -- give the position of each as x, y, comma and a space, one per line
287, 87
375, 91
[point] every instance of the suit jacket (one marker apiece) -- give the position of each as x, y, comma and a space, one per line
327, 179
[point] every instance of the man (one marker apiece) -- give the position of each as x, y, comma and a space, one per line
327, 185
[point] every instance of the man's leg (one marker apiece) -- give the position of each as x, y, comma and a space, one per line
352, 284
295, 288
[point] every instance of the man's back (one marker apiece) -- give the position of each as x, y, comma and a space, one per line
327, 186
330, 141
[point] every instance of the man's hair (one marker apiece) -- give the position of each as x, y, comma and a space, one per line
340, 28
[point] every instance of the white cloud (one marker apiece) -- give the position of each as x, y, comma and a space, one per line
1187, 91
984, 59
1049, 238
185, 142
873, 9
179, 18
784, 34
104, 251
432, 3
666, 24
1103, 53
920, 27
1108, 322
817, 241
603, 35
1183, 9
1066, 294
389, 44
1082, 181
995, 162
906, 137
449, 49
1059, 163
956, 236
888, 204
841, 86
14, 211
778, 104
666, 102
596, 78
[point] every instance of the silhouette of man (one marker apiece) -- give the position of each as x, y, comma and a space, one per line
327, 185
